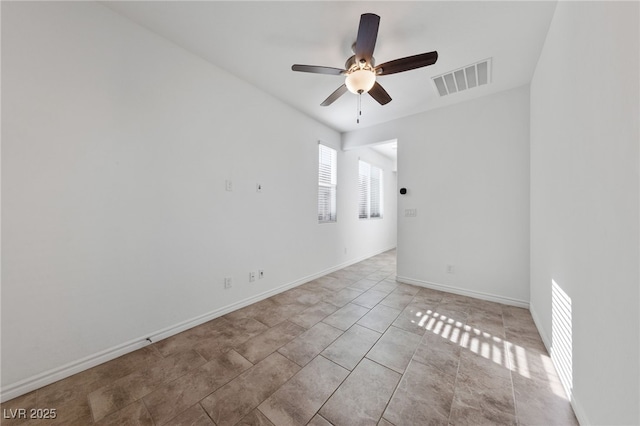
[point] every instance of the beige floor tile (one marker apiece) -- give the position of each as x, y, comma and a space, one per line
346, 316
236, 399
406, 289
313, 314
309, 344
483, 391
10, 409
79, 385
343, 297
178, 343
414, 318
488, 322
370, 298
397, 300
135, 414
346, 277
267, 311
318, 420
248, 311
484, 363
255, 418
364, 284
429, 296
526, 340
175, 397
194, 416
349, 349
243, 328
438, 352
354, 403
479, 406
485, 306
541, 403
385, 286
395, 349
298, 400
447, 328
231, 335
185, 340
264, 344
333, 283
75, 411
424, 396
518, 320
455, 308
299, 295
379, 318
531, 363
278, 313
381, 274
128, 389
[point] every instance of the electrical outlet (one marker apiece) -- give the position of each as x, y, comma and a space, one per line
260, 274
227, 282
228, 185
252, 277
449, 269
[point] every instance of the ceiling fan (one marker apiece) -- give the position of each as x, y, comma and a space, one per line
360, 69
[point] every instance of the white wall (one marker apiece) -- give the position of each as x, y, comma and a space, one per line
466, 168
584, 200
116, 224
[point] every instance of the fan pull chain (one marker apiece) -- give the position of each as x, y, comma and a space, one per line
359, 113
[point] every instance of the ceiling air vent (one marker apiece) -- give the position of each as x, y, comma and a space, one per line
464, 78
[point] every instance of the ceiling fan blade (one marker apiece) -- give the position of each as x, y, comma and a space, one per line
317, 69
378, 93
335, 95
408, 63
367, 35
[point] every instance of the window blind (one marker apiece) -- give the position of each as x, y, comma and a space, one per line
369, 191
375, 190
363, 189
327, 180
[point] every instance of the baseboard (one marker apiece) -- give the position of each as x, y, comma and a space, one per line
541, 331
575, 404
465, 292
37, 381
579, 411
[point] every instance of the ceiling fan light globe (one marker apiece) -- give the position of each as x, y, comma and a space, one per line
360, 81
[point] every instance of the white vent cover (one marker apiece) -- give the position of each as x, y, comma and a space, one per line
468, 77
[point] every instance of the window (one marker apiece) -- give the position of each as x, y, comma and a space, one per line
369, 191
327, 173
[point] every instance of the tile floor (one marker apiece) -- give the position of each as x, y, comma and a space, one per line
354, 347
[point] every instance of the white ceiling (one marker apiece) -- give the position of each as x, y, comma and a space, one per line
259, 41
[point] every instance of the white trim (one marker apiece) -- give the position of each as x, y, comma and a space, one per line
581, 415
465, 292
46, 378
541, 330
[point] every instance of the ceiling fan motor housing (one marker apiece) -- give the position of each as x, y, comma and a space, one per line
351, 62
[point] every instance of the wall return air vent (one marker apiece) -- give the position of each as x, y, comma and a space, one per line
468, 77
